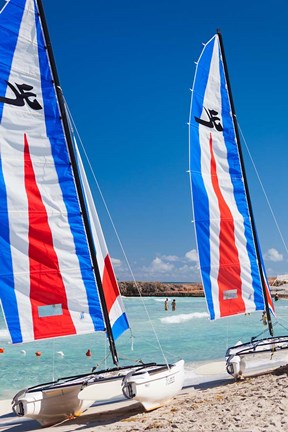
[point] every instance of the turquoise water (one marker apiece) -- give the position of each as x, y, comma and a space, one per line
186, 333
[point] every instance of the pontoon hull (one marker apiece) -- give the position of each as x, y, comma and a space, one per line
52, 403
151, 384
256, 357
155, 387
51, 406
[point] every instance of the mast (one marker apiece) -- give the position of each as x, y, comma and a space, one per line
77, 181
270, 326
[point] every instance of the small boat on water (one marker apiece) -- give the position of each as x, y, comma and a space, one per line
56, 275
231, 263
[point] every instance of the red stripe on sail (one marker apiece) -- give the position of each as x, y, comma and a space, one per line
268, 293
110, 285
46, 284
229, 276
269, 299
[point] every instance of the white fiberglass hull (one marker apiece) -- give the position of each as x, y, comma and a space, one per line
155, 386
256, 357
51, 406
152, 385
52, 403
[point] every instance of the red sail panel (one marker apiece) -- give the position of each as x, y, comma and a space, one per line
229, 276
109, 282
46, 284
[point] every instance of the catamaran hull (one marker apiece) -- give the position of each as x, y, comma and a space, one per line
51, 406
51, 403
155, 387
151, 386
258, 356
54, 402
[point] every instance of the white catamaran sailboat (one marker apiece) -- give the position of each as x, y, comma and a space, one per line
56, 274
231, 263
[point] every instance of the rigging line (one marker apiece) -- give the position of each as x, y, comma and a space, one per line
227, 334
72, 126
138, 361
172, 355
264, 331
263, 189
282, 325
259, 334
116, 233
53, 359
104, 360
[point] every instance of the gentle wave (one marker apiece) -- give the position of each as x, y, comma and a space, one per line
161, 299
177, 319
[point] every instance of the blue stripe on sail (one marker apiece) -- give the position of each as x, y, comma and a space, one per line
10, 21
260, 302
239, 191
200, 200
120, 325
9, 301
66, 181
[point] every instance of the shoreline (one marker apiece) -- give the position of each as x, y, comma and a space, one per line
161, 289
255, 404
181, 289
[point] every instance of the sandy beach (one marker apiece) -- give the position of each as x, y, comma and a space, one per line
255, 404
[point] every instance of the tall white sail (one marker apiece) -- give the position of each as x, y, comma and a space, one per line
47, 288
231, 264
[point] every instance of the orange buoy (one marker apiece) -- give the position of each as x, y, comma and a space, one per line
88, 353
38, 353
2, 350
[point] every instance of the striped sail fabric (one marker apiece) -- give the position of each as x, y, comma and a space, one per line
47, 288
226, 245
116, 310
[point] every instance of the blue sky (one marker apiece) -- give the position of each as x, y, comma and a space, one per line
126, 68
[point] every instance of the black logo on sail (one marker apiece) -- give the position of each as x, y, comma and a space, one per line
22, 94
213, 120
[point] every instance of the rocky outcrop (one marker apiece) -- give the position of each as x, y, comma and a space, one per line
161, 289
170, 289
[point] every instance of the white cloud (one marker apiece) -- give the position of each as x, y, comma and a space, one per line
273, 255
158, 265
116, 262
189, 269
170, 258
192, 255
169, 267
177, 268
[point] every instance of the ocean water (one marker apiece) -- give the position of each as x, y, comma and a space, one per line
185, 333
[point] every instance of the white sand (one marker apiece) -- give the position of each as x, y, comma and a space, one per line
252, 405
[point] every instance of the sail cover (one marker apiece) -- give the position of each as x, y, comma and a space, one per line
226, 245
47, 288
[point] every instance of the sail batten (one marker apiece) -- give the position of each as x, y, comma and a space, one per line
47, 284
226, 242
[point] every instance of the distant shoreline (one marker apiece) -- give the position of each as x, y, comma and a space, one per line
179, 289
161, 289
